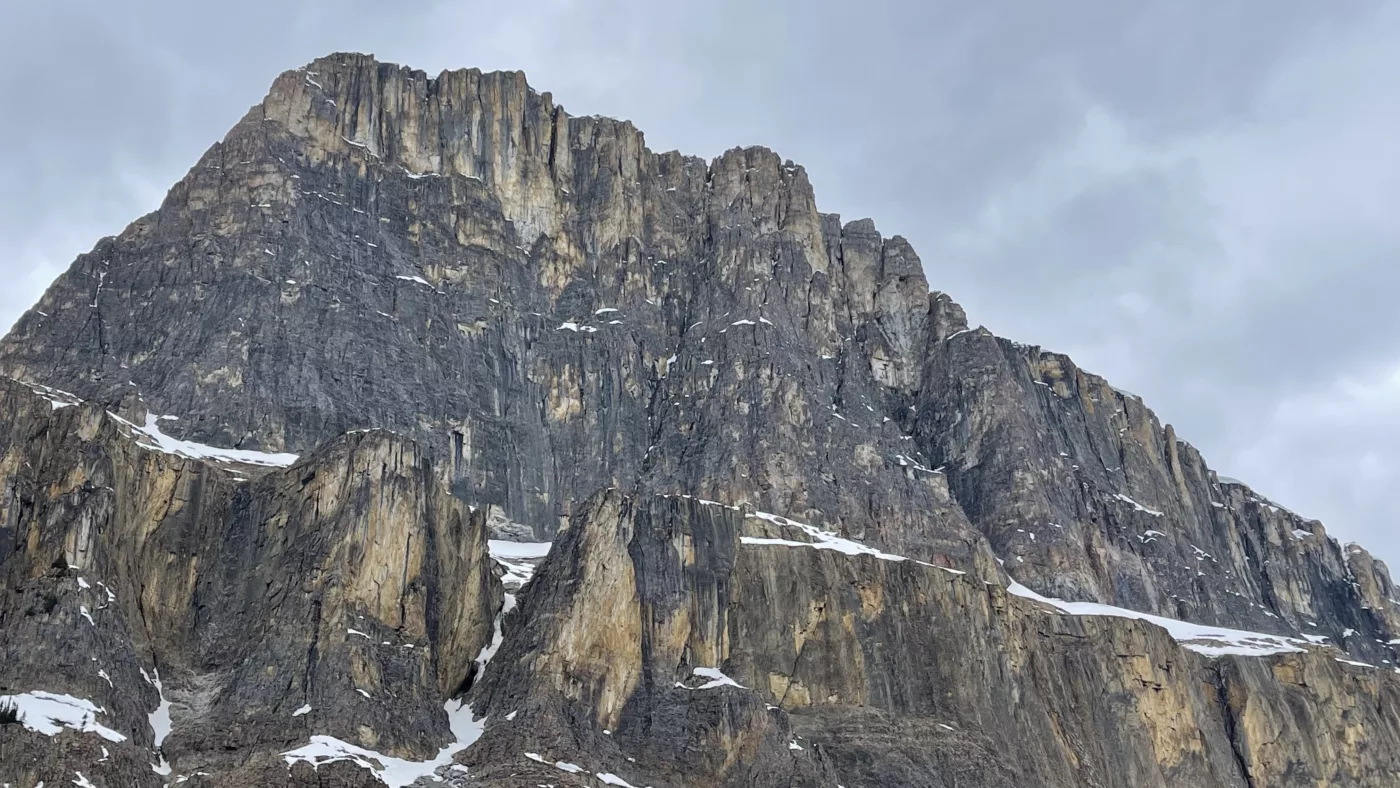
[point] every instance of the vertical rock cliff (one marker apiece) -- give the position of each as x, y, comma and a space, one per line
218, 613
250, 448
667, 637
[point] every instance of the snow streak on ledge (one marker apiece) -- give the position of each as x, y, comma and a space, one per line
58, 398
151, 437
1202, 639
825, 540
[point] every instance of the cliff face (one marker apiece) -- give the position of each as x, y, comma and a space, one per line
666, 638
1085, 495
347, 595
526, 308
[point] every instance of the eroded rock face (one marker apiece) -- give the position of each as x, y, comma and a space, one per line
544, 301
351, 583
544, 308
1086, 496
866, 670
593, 665
550, 308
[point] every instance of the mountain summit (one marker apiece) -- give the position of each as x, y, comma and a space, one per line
429, 433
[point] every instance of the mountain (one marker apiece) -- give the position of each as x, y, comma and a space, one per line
427, 432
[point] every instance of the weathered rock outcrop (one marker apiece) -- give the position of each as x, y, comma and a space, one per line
1086, 496
544, 308
550, 308
351, 586
867, 669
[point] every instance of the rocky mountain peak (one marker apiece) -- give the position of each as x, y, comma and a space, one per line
429, 432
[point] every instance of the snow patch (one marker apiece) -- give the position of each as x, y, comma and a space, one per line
515, 558
50, 712
394, 772
716, 679
416, 279
489, 650
825, 540
563, 766
909, 462
161, 442
1206, 640
517, 574
1139, 507
57, 398
569, 325
160, 718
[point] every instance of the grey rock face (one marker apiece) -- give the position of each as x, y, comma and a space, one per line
582, 302
352, 584
1087, 496
544, 308
863, 670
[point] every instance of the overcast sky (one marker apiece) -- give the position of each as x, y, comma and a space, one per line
1194, 198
